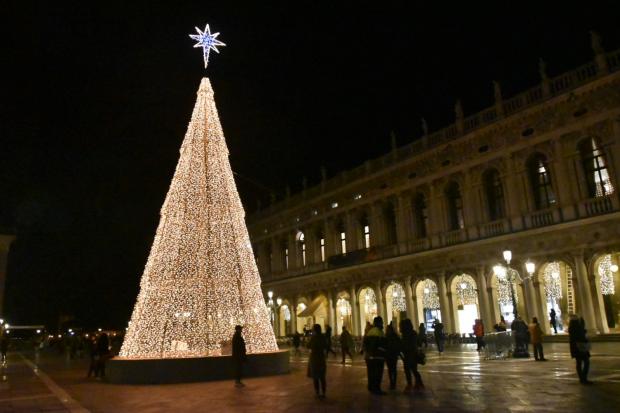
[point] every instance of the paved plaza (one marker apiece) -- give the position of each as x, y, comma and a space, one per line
458, 380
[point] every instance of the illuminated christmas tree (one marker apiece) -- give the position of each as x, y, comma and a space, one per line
200, 279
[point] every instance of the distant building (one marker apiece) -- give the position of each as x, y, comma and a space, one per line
5, 245
419, 232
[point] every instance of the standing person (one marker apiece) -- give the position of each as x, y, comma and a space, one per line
239, 355
579, 348
297, 342
536, 335
94, 357
393, 348
409, 344
422, 337
479, 333
103, 351
317, 366
439, 335
4, 345
374, 350
521, 333
553, 320
328, 339
346, 343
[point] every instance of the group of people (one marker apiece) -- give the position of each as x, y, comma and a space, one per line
99, 351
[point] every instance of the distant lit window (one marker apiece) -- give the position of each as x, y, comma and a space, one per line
595, 169
357, 196
286, 258
343, 242
366, 236
421, 215
334, 204
540, 180
455, 207
301, 238
315, 212
322, 244
494, 194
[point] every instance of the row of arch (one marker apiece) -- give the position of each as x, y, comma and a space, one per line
460, 299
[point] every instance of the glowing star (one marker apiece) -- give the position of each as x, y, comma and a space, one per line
207, 41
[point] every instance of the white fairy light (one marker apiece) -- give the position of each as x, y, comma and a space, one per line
553, 283
370, 303
606, 276
207, 41
430, 298
200, 266
344, 308
398, 298
503, 286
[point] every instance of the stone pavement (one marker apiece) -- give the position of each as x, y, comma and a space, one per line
459, 380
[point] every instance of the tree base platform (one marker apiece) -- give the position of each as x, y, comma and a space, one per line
193, 369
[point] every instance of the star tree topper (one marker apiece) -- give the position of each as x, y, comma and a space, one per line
207, 41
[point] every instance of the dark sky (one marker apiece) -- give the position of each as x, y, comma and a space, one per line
96, 99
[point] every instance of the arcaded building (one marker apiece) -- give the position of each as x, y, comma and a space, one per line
421, 232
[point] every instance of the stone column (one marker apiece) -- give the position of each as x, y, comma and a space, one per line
331, 316
454, 312
380, 302
562, 184
403, 225
599, 305
583, 291
293, 310
446, 315
415, 319
409, 300
355, 313
377, 226
540, 305
352, 232
483, 299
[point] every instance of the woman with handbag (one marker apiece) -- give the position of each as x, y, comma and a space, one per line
579, 347
317, 365
412, 355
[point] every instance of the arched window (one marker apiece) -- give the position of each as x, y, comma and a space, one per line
285, 254
595, 168
365, 227
301, 239
540, 180
421, 215
390, 224
342, 237
495, 194
455, 206
320, 240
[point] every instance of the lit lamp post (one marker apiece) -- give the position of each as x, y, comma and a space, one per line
511, 276
270, 306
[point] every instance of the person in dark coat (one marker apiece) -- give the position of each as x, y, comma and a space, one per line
374, 351
94, 357
439, 335
553, 320
409, 345
317, 365
103, 353
239, 355
328, 339
422, 335
346, 343
579, 348
393, 348
4, 345
297, 342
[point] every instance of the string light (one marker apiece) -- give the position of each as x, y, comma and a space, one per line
466, 289
605, 272
430, 298
503, 286
200, 279
553, 283
370, 304
344, 308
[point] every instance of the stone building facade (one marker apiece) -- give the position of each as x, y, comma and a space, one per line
420, 232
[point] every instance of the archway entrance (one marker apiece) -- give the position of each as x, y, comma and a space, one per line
344, 314
557, 280
368, 306
284, 318
396, 305
465, 301
429, 307
608, 278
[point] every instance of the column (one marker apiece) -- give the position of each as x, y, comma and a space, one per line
415, 319
446, 314
409, 300
351, 229
355, 313
331, 316
380, 301
403, 225
293, 310
599, 305
540, 305
483, 299
453, 310
377, 230
583, 290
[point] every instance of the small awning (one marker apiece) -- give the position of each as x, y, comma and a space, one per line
314, 305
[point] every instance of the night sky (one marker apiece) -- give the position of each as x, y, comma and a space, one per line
96, 100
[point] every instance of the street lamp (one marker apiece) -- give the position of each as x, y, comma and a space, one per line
511, 276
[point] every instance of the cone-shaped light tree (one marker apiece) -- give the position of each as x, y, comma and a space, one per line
200, 279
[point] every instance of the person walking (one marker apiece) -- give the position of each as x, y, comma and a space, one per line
422, 337
239, 355
346, 343
553, 320
317, 365
411, 354
297, 342
536, 335
393, 349
374, 350
579, 348
439, 335
103, 352
328, 339
479, 333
